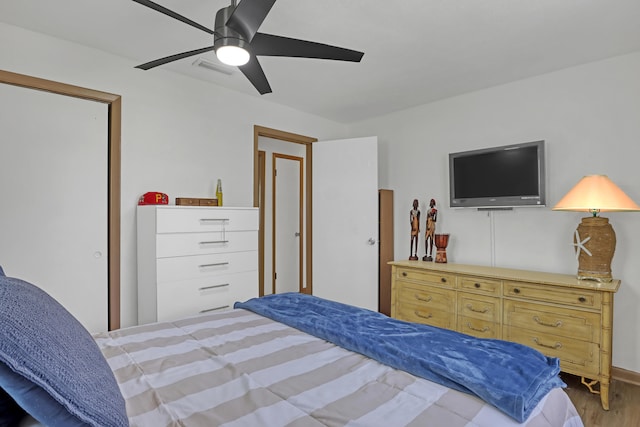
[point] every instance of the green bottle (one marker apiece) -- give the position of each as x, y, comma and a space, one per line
219, 192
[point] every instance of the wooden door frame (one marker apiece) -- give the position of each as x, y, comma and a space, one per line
300, 161
266, 132
114, 123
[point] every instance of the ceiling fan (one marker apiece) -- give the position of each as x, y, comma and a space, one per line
236, 41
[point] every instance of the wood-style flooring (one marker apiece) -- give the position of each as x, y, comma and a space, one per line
624, 404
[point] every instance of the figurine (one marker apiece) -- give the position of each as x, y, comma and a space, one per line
431, 229
414, 220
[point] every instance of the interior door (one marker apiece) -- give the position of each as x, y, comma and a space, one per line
345, 221
53, 184
287, 206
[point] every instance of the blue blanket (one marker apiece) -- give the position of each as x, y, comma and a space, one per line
510, 376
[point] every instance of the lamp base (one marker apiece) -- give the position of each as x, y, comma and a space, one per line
595, 242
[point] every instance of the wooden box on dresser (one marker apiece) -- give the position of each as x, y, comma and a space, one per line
194, 259
556, 314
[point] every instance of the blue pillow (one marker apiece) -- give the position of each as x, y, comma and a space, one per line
49, 363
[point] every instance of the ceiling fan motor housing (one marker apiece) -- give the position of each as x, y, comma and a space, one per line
225, 36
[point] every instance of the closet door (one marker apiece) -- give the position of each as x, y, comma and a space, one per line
53, 187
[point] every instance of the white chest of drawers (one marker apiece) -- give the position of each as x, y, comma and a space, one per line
194, 260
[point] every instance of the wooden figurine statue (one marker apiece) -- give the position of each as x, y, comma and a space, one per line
432, 215
414, 220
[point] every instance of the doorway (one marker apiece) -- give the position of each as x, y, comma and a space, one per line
287, 214
288, 146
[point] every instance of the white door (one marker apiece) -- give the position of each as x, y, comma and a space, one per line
345, 221
53, 187
287, 212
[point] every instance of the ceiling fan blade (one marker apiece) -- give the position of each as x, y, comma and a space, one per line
175, 57
253, 71
271, 45
248, 16
174, 15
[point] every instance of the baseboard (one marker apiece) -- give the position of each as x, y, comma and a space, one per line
626, 376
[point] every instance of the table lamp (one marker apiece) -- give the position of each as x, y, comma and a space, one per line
594, 239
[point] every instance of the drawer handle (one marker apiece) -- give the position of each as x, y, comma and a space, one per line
214, 242
554, 347
443, 279
582, 299
215, 264
404, 274
516, 290
475, 310
485, 329
214, 309
419, 298
204, 288
214, 219
551, 325
417, 313
477, 285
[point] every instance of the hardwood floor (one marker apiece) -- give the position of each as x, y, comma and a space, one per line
624, 403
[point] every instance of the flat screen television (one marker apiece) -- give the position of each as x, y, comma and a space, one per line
498, 177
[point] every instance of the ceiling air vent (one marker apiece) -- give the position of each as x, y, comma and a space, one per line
209, 65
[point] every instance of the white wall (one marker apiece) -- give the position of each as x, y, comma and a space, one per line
179, 135
590, 118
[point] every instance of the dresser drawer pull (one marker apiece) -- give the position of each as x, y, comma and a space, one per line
443, 279
204, 288
214, 309
404, 274
516, 290
419, 298
215, 264
214, 242
214, 219
477, 285
554, 347
485, 329
428, 316
475, 310
551, 325
582, 299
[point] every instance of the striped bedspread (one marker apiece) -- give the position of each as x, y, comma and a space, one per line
238, 368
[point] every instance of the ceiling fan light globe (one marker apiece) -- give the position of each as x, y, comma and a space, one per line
232, 55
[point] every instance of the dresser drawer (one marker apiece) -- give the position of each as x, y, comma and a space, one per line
576, 356
478, 328
577, 325
180, 244
426, 315
425, 296
197, 266
479, 307
415, 275
195, 219
575, 297
190, 297
480, 284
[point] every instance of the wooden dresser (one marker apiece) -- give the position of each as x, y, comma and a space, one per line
556, 314
195, 260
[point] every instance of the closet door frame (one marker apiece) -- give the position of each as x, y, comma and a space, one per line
114, 112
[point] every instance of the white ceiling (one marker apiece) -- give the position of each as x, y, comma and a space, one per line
416, 51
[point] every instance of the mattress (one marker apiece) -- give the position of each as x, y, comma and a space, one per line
237, 368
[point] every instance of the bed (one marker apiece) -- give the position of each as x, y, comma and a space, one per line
250, 367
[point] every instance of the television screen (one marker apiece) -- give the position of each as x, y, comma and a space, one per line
507, 176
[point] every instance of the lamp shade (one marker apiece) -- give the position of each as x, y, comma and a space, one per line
595, 193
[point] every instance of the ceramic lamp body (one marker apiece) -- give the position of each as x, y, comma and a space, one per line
601, 245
